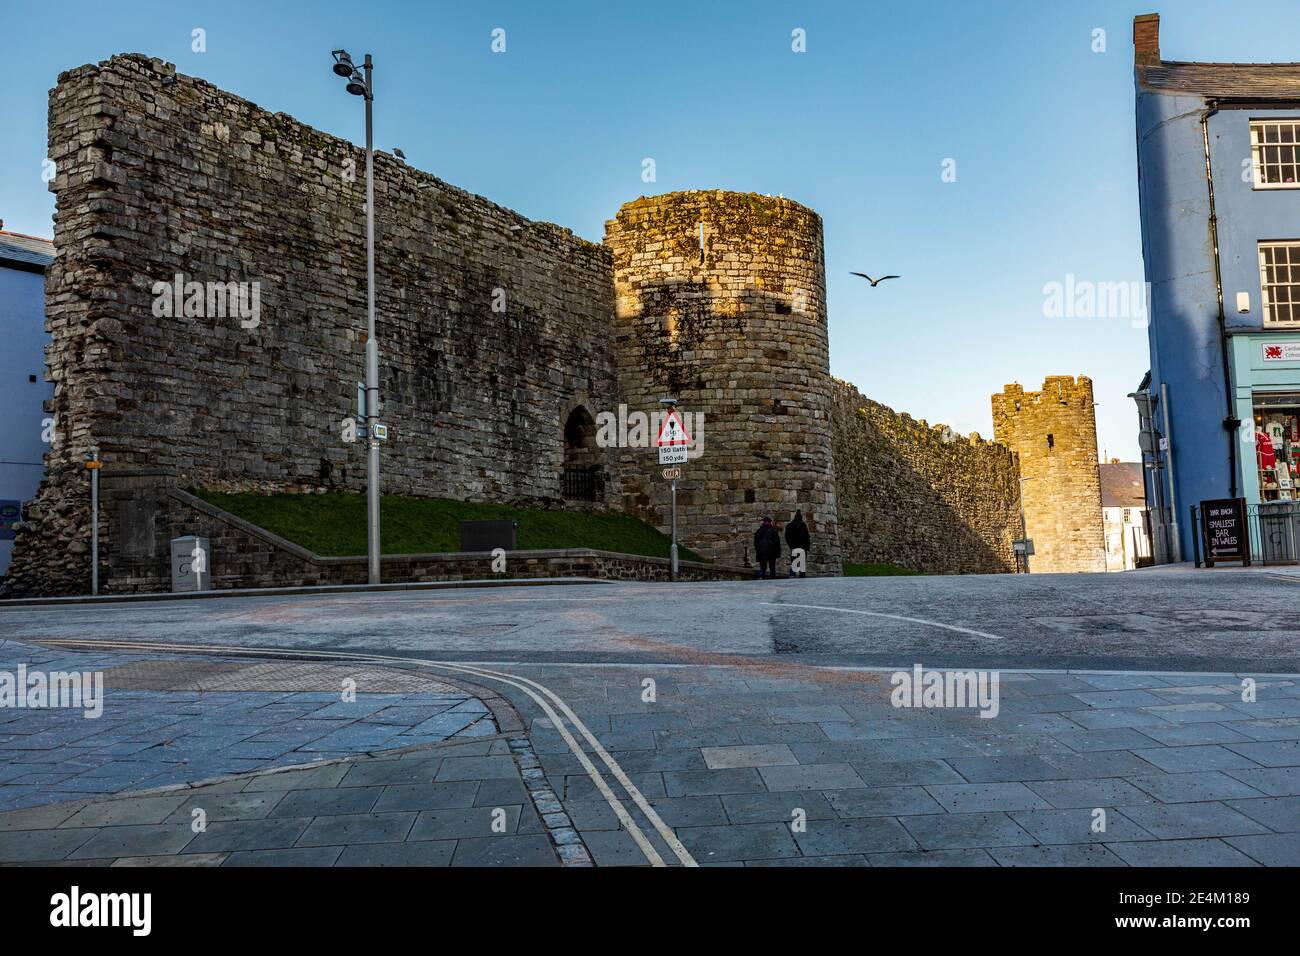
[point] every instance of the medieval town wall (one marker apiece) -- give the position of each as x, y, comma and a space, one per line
492, 328
502, 342
919, 496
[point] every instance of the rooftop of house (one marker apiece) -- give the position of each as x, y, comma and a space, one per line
25, 252
1122, 485
1234, 80
1251, 81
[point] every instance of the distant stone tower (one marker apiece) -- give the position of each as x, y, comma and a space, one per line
1055, 434
721, 303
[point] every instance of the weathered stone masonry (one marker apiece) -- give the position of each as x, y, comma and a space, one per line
162, 174
159, 174
918, 496
735, 327
1054, 432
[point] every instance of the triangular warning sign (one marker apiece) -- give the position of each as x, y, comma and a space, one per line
672, 431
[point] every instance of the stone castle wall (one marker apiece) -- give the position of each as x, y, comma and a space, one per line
160, 174
1054, 433
918, 496
721, 303
501, 340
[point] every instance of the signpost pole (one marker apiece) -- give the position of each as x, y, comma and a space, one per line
94, 520
672, 550
671, 405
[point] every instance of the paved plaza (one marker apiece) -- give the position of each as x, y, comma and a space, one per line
758, 731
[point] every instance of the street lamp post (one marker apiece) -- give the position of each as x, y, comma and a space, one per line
359, 85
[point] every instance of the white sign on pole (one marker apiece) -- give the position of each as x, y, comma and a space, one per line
673, 454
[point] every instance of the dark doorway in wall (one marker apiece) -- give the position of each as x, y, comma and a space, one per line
583, 479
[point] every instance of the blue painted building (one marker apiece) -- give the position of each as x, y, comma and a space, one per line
23, 389
1218, 149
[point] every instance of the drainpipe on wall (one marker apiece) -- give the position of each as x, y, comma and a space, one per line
1230, 422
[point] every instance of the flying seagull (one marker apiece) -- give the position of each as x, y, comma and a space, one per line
874, 282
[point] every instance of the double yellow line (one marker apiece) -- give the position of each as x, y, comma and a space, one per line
543, 696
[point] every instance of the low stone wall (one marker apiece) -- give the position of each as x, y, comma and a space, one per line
142, 511
922, 497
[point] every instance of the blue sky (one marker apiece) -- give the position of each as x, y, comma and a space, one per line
858, 127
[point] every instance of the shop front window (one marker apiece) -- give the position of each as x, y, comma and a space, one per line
1277, 445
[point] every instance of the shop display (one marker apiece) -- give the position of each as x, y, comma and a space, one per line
1277, 445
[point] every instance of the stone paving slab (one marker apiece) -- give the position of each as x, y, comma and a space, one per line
1181, 853
1065, 827
1077, 855
863, 835
753, 755
408, 854
1275, 782
1269, 849
739, 842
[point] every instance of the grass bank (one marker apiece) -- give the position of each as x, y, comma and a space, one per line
334, 525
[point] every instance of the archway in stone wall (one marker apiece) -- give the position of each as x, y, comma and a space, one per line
583, 478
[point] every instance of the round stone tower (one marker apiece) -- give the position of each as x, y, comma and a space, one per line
721, 303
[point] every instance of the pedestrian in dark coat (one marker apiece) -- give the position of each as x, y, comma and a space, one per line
797, 538
767, 548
